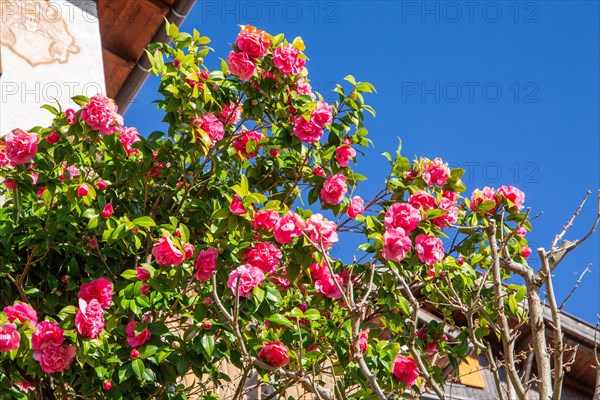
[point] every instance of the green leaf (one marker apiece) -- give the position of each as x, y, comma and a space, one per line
208, 345
144, 221
137, 366
404, 305
281, 320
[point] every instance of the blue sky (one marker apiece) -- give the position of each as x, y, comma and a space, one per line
509, 91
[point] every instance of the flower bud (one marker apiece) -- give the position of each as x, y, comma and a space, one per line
206, 324
207, 301
82, 190
107, 212
53, 137
101, 185
134, 353
107, 385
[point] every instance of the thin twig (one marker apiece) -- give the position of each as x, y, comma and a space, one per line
586, 270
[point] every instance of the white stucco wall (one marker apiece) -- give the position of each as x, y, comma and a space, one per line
50, 49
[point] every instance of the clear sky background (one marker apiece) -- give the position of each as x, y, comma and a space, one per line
507, 90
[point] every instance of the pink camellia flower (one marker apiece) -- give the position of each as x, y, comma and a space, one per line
206, 263
318, 270
71, 116
53, 137
322, 115
24, 386
82, 190
436, 172
321, 231
405, 370
363, 340
22, 312
288, 227
101, 185
521, 231
4, 161
55, 358
166, 254
264, 255
443, 221
343, 154
525, 252
21, 146
287, 60
71, 172
89, 320
281, 282
9, 337
248, 276
326, 285
10, 184
253, 42
230, 114
304, 88
275, 354
47, 334
422, 199
239, 144
450, 195
100, 289
101, 115
133, 339
241, 65
307, 131
236, 206
356, 207
395, 244
318, 171
274, 152
188, 250
514, 195
211, 125
142, 273
485, 201
128, 137
429, 249
334, 189
265, 219
107, 211
402, 215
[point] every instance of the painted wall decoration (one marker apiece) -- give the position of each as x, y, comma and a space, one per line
36, 31
51, 50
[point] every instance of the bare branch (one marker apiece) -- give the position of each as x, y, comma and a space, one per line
557, 254
556, 326
412, 336
570, 222
586, 270
507, 339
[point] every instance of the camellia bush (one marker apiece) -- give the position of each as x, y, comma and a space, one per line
129, 263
